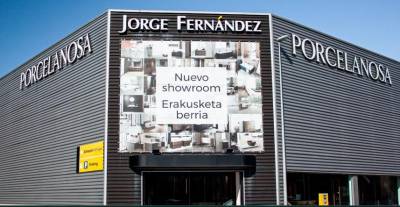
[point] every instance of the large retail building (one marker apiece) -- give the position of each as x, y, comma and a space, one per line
150, 107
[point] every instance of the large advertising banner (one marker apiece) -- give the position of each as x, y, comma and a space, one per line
190, 96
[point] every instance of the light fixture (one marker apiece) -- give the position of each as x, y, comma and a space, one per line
229, 151
156, 152
281, 38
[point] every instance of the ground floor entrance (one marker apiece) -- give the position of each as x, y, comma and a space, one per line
192, 188
309, 189
304, 189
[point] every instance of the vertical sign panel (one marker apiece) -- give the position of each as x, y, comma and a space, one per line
91, 157
323, 199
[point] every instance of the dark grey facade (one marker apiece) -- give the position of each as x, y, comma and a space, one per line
316, 118
259, 189
335, 121
42, 125
352, 121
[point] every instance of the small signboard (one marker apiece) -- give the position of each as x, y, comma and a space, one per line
91, 157
323, 199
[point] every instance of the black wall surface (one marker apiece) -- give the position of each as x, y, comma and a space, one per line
42, 126
124, 186
335, 121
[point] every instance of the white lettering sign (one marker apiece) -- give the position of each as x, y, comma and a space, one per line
66, 56
184, 23
327, 55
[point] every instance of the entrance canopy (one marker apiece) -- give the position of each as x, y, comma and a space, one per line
194, 162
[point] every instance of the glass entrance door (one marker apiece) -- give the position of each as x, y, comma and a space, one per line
199, 188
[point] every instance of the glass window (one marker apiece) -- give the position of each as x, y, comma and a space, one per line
377, 190
303, 189
200, 188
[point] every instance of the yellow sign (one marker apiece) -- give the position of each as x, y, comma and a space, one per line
91, 157
323, 199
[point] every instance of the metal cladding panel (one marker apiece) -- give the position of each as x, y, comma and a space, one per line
124, 186
42, 125
336, 121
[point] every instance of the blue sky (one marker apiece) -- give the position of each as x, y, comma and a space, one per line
30, 26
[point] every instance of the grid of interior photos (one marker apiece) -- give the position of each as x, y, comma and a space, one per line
139, 131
